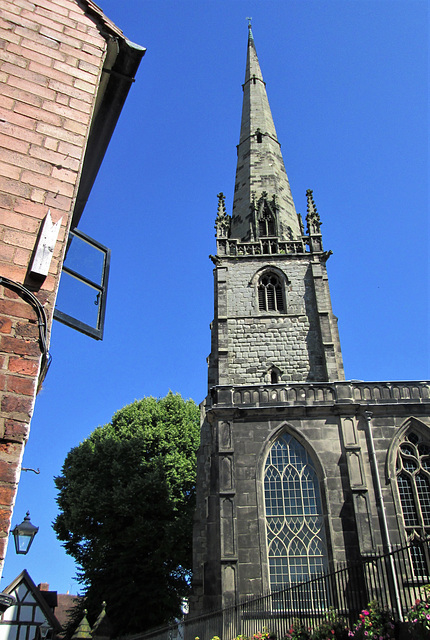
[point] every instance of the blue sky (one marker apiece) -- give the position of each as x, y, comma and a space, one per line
348, 86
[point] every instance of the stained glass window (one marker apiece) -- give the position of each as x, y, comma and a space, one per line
294, 518
413, 482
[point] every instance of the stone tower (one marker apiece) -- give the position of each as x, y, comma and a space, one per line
273, 318
293, 473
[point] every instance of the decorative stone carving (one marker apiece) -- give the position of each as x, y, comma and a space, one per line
312, 217
223, 220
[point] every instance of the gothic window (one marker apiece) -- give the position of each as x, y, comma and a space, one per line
266, 226
294, 521
413, 482
270, 293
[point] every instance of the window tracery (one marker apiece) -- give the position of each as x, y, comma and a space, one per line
413, 483
294, 519
270, 293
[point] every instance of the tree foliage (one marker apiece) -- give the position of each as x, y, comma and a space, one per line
126, 498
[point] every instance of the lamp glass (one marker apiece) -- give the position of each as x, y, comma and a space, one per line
23, 535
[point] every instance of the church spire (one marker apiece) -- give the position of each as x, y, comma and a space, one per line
260, 168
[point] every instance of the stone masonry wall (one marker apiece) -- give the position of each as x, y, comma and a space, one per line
336, 438
51, 56
258, 340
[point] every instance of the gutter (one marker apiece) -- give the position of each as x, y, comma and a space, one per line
121, 64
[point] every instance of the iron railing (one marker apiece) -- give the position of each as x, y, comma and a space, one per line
389, 578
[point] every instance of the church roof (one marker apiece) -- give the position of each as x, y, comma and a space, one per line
260, 166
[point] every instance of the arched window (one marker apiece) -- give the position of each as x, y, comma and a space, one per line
266, 226
270, 293
294, 521
413, 482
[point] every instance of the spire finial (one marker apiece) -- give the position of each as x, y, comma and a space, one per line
250, 36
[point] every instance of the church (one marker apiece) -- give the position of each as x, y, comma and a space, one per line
298, 468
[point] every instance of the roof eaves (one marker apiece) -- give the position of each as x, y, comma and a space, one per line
109, 105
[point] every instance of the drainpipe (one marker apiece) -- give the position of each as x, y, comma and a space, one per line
381, 510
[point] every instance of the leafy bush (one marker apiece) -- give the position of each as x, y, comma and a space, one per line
297, 631
332, 628
419, 616
374, 623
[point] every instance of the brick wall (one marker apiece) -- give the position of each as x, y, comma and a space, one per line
51, 57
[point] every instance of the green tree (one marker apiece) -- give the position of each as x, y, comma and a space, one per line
126, 498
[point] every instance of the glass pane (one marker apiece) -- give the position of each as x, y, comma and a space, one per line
85, 259
407, 500
423, 488
424, 449
78, 300
407, 448
418, 560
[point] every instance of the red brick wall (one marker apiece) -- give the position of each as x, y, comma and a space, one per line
51, 56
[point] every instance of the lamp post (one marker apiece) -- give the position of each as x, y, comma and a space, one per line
23, 535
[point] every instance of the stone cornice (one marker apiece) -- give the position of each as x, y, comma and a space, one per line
331, 395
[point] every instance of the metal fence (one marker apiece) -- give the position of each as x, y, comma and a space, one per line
394, 579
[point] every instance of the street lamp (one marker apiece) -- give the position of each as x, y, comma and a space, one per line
23, 535
6, 600
44, 629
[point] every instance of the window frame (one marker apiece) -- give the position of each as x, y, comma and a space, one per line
415, 529
322, 531
101, 289
263, 289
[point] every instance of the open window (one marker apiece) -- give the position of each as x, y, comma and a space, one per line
81, 300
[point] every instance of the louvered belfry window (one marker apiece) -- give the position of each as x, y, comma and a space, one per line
413, 482
266, 227
270, 293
